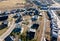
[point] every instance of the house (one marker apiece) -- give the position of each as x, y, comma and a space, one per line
3, 17
31, 9
22, 10
35, 26
17, 15
32, 30
37, 3
30, 35
17, 29
13, 11
2, 26
6, 12
49, 13
44, 8
13, 38
53, 24
8, 38
54, 35
36, 12
18, 10
43, 5
31, 13
26, 13
34, 18
19, 40
40, 14
5, 23
19, 19
0, 12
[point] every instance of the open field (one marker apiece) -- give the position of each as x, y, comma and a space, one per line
8, 4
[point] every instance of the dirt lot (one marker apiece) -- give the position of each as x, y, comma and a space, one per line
40, 29
47, 33
10, 4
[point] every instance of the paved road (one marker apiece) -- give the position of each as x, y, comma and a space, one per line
44, 28
3, 36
